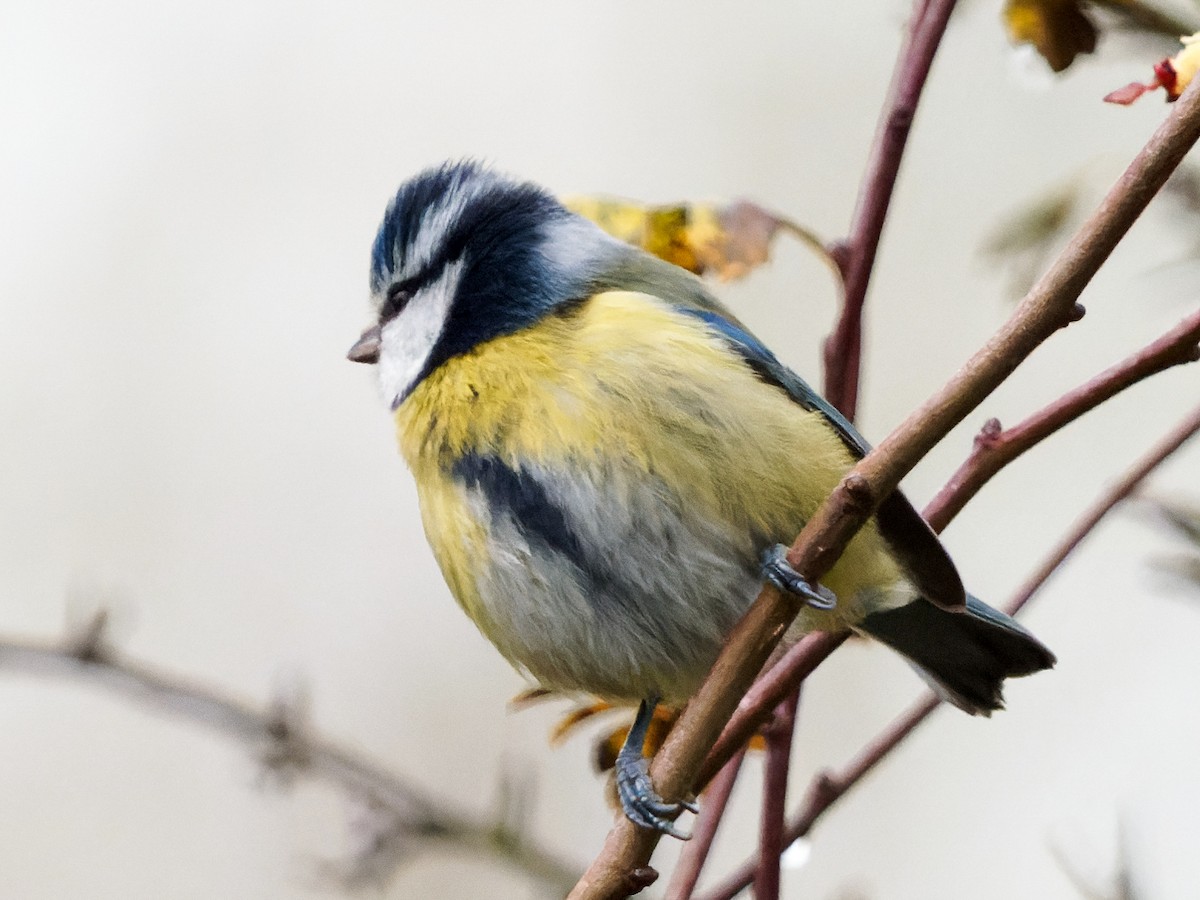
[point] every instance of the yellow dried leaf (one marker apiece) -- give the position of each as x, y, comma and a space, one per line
726, 241
1059, 29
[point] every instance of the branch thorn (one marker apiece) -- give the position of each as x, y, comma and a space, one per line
88, 642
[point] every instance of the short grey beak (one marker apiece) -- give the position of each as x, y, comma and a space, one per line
366, 348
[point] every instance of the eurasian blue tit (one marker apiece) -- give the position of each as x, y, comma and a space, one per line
608, 462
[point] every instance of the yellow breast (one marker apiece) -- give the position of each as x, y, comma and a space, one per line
624, 384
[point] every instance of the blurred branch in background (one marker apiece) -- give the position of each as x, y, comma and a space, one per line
1184, 189
1149, 19
1121, 884
1025, 242
1028, 238
397, 818
1182, 520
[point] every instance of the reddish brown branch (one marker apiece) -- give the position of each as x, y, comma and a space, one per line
619, 870
996, 448
993, 451
1172, 441
856, 256
1175, 347
768, 692
829, 787
778, 735
802, 659
695, 853
855, 259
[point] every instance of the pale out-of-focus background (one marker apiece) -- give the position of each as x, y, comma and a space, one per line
188, 197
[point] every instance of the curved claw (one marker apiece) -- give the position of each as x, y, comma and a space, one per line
641, 803
777, 570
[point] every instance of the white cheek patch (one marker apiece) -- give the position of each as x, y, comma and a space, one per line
407, 341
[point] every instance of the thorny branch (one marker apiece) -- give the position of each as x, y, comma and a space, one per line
620, 869
1177, 346
288, 745
996, 447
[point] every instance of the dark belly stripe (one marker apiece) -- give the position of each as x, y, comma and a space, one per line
524, 499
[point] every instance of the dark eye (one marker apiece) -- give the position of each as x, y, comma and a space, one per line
397, 298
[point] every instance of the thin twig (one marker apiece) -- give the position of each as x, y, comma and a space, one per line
285, 743
767, 692
619, 870
774, 806
1170, 442
995, 448
856, 256
828, 787
695, 852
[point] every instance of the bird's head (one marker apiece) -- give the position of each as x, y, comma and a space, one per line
464, 255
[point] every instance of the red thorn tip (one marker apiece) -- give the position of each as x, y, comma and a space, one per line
1166, 76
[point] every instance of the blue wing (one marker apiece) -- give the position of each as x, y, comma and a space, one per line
771, 370
912, 541
908, 534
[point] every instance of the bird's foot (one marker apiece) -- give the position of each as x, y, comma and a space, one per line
777, 570
641, 803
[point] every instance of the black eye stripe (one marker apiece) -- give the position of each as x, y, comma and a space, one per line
401, 292
397, 298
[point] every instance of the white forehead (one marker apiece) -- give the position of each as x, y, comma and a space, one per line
440, 216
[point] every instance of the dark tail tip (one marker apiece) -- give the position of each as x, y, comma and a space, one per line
965, 656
